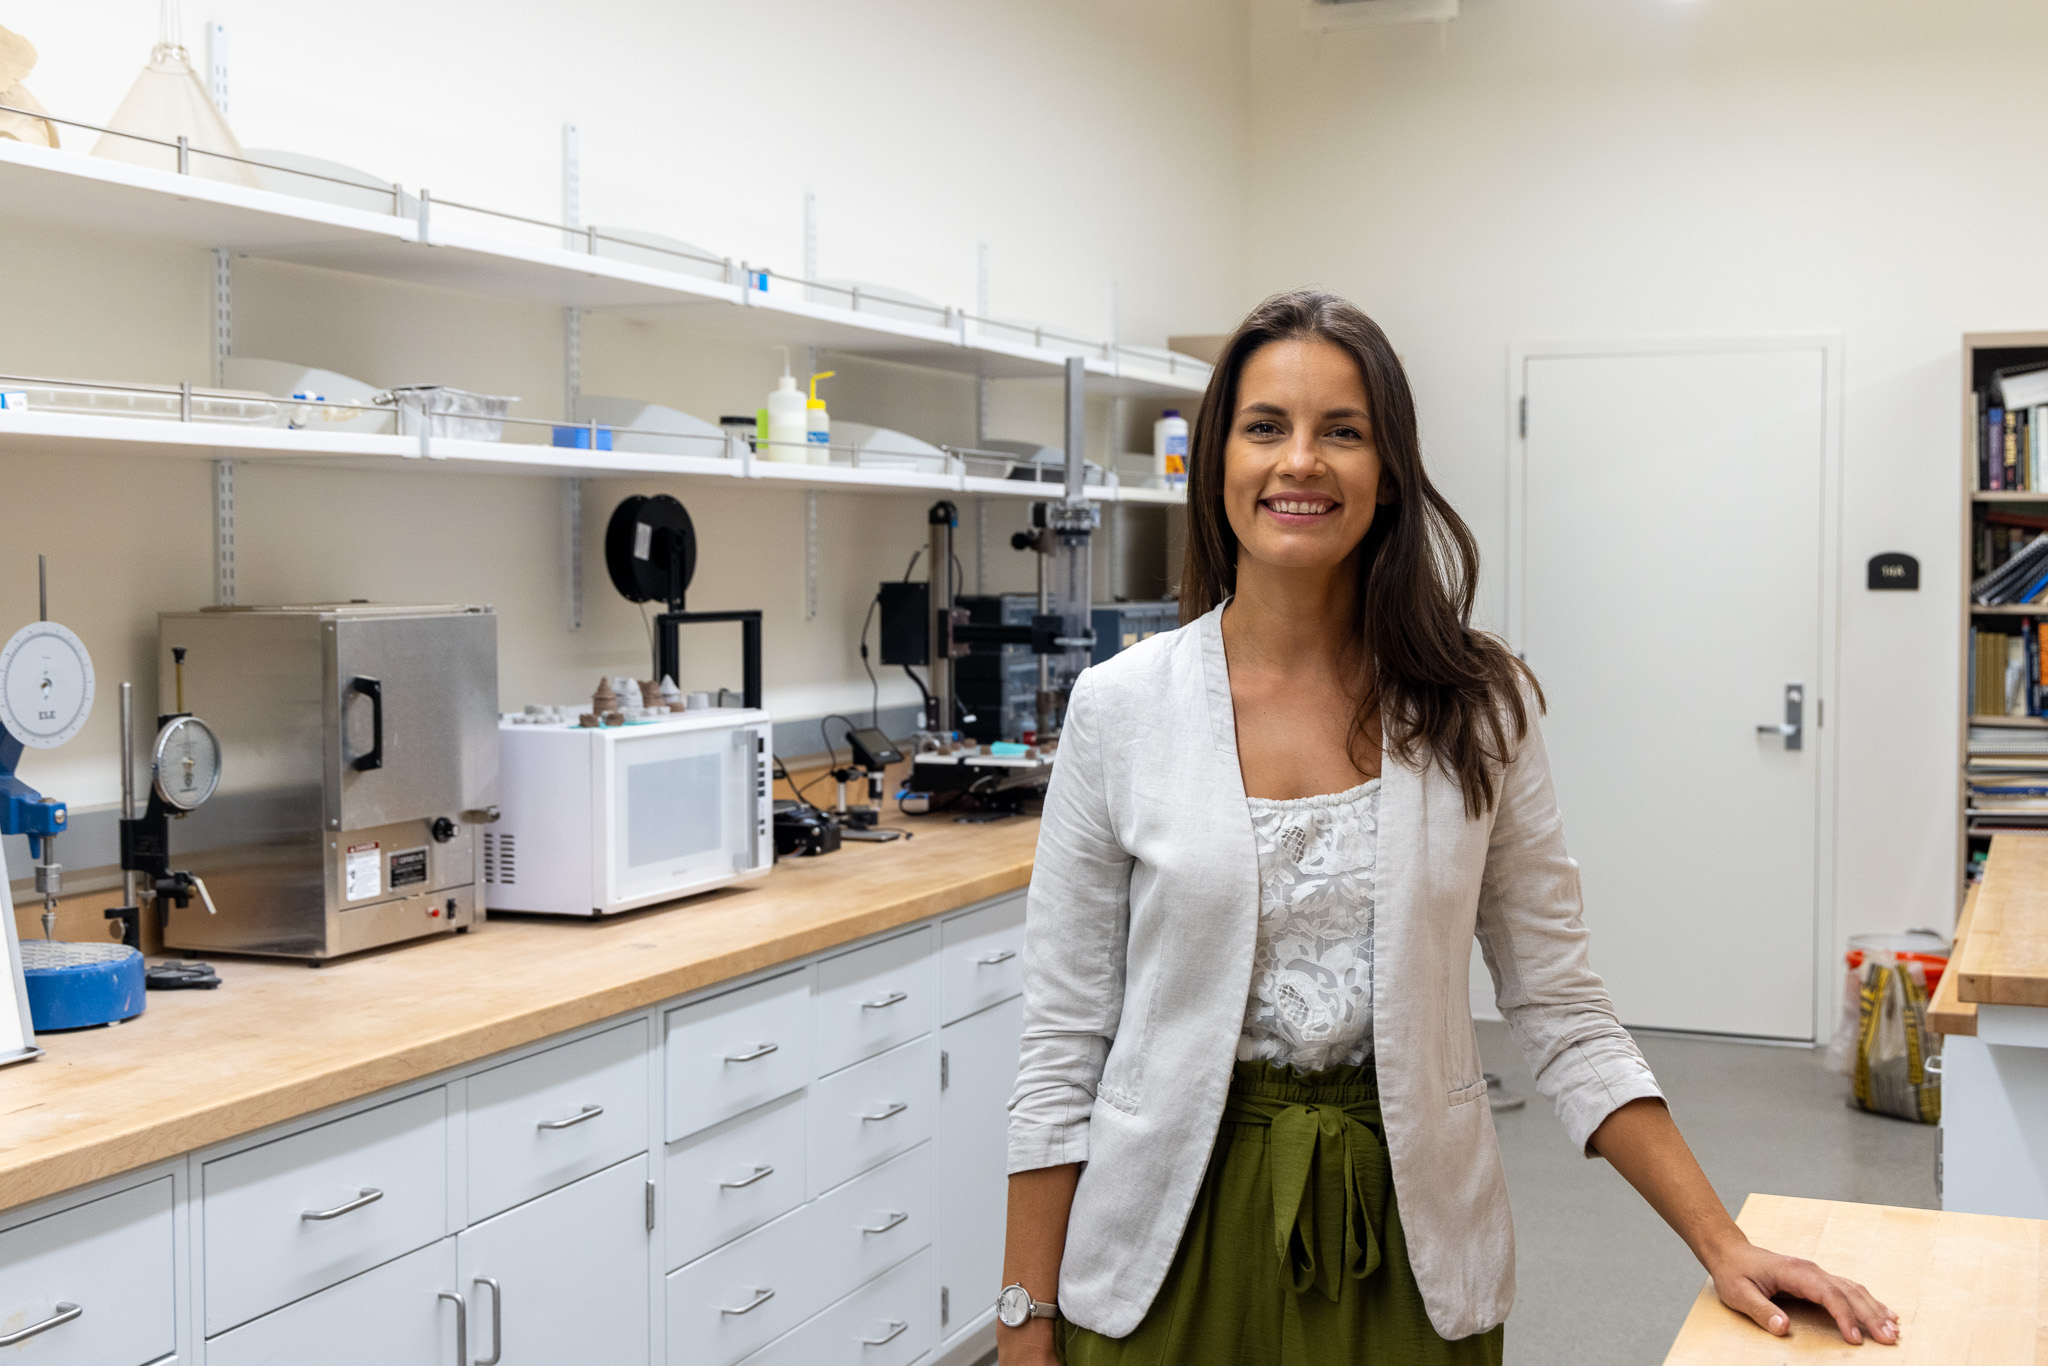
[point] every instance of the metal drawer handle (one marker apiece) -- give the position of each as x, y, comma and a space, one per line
65, 1313
369, 1195
497, 1320
589, 1112
461, 1327
894, 998
762, 1294
894, 1110
761, 1173
897, 1328
999, 956
896, 1216
760, 1051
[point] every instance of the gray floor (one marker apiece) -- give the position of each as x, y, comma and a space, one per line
1600, 1280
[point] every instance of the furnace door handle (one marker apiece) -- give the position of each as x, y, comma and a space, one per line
372, 688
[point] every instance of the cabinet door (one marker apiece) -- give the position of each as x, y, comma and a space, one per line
571, 1272
979, 1070
393, 1316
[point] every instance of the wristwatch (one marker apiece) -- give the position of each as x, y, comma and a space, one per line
1014, 1307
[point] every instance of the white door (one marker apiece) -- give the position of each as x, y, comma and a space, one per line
1668, 590
571, 1273
972, 1149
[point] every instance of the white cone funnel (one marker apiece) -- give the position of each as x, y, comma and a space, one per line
169, 101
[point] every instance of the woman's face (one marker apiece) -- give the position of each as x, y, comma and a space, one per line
1301, 475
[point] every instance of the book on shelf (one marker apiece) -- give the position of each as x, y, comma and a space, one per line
2005, 671
2019, 578
2012, 427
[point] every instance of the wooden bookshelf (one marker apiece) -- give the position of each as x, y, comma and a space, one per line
1984, 352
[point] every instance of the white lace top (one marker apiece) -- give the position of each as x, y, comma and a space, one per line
1311, 995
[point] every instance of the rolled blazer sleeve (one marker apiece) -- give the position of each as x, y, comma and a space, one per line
1076, 924
1535, 945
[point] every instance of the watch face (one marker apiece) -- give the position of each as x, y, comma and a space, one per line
1013, 1306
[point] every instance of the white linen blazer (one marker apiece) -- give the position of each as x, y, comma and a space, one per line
1138, 943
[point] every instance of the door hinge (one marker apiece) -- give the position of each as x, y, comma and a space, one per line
1820, 712
946, 1293
945, 1069
1524, 421
650, 1207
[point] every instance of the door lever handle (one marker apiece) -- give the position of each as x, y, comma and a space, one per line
1792, 730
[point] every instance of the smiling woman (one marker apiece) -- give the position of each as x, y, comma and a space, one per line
1249, 1123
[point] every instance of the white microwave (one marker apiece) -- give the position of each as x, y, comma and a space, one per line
593, 821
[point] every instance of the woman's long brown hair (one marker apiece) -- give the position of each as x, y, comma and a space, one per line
1443, 690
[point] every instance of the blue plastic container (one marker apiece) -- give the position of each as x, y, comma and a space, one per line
76, 986
578, 438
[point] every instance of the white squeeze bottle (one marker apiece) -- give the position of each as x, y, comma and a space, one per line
1170, 449
818, 423
786, 437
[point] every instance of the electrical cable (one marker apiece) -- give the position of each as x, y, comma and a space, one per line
874, 684
831, 751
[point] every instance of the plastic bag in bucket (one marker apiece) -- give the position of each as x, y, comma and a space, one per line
1893, 1044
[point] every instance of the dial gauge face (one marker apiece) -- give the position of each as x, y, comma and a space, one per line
45, 685
187, 762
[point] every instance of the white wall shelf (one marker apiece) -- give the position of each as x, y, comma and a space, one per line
85, 434
96, 194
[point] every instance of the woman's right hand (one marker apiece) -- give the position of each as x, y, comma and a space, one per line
1034, 1243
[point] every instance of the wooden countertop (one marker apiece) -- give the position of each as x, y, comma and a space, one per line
1969, 1289
2005, 959
1948, 1012
279, 1040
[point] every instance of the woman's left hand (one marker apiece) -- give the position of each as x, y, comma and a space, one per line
1746, 1276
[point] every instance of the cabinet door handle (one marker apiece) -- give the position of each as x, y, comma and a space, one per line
999, 956
894, 998
588, 1112
896, 1216
497, 1320
760, 1051
369, 1195
762, 1294
461, 1327
65, 1313
762, 1172
894, 1110
897, 1328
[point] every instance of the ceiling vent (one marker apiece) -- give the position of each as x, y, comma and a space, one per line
1327, 16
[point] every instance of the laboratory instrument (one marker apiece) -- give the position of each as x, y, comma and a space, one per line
870, 752
650, 551
599, 819
185, 768
46, 693
803, 831
370, 732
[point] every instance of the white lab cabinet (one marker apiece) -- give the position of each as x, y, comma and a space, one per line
563, 1278
802, 1166
979, 1070
1994, 1115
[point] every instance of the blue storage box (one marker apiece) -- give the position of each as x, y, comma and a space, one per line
578, 438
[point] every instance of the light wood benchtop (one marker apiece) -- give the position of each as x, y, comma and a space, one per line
1969, 1289
2004, 961
276, 1041
1948, 1012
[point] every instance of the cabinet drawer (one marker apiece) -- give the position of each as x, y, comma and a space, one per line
546, 1120
891, 1322
734, 1177
736, 1051
867, 1114
872, 999
110, 1260
304, 1212
392, 1315
981, 958
872, 1222
723, 1306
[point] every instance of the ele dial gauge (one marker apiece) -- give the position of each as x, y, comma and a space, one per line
45, 685
186, 762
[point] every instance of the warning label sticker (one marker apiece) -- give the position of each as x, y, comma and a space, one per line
363, 872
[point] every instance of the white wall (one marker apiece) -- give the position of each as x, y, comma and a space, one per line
1556, 169
1084, 141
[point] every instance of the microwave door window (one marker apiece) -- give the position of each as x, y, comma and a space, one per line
671, 814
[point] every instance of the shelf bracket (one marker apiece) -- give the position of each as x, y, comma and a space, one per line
572, 549
224, 533
572, 381
981, 545
810, 554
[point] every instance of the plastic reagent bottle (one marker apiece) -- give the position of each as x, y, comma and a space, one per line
818, 423
1170, 449
786, 439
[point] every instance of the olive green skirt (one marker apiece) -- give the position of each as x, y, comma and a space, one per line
1293, 1253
